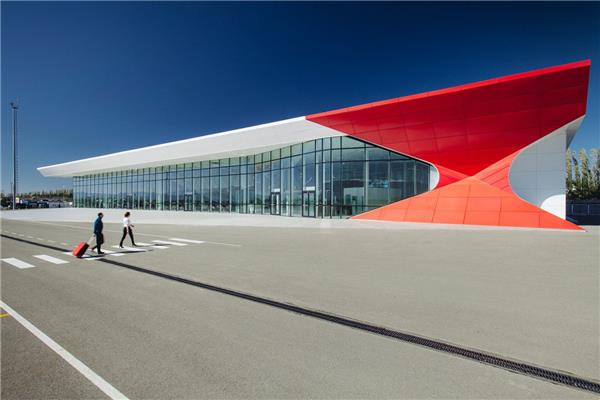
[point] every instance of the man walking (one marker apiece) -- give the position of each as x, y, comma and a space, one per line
98, 226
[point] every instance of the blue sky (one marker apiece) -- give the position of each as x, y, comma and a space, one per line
95, 78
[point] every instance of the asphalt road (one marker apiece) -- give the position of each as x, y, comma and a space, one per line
526, 295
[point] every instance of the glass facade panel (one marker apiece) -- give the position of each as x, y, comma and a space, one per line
325, 178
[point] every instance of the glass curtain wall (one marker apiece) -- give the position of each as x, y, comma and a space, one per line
325, 178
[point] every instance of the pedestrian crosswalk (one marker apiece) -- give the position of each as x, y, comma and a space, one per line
188, 240
122, 251
126, 248
168, 242
17, 263
51, 259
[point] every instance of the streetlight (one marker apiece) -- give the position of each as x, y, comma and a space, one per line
14, 107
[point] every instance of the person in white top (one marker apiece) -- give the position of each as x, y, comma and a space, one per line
127, 225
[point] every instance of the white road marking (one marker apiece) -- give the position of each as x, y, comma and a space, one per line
120, 232
130, 248
85, 228
188, 240
17, 263
52, 241
113, 253
71, 254
39, 239
20, 234
51, 259
64, 244
152, 246
224, 244
167, 242
83, 369
30, 237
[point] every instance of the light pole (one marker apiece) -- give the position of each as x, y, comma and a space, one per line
14, 107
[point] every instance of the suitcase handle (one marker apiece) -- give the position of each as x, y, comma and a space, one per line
89, 242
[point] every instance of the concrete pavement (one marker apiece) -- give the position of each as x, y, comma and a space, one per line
138, 330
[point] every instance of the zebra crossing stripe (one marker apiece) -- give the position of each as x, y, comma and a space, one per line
51, 259
167, 242
113, 253
17, 263
129, 248
188, 240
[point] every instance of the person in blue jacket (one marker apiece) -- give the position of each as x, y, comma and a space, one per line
98, 226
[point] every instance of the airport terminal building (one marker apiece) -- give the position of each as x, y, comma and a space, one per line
486, 153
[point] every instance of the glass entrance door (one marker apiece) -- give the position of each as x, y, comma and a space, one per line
275, 203
308, 204
188, 202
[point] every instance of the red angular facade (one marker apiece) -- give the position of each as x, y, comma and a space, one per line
471, 134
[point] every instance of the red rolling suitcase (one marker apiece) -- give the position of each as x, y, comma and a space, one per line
81, 248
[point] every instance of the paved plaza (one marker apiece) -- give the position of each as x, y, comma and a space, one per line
521, 294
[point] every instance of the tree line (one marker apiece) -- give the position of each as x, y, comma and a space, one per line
583, 174
67, 194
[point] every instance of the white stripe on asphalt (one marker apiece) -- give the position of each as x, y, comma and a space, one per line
88, 257
112, 253
188, 240
30, 237
51, 259
51, 241
71, 254
39, 239
64, 244
120, 232
167, 242
17, 263
83, 369
129, 248
152, 246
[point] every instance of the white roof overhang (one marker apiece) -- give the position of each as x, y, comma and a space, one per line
238, 142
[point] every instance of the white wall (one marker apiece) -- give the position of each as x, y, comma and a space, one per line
538, 173
434, 177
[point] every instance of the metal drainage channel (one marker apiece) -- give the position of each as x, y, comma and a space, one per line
476, 355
